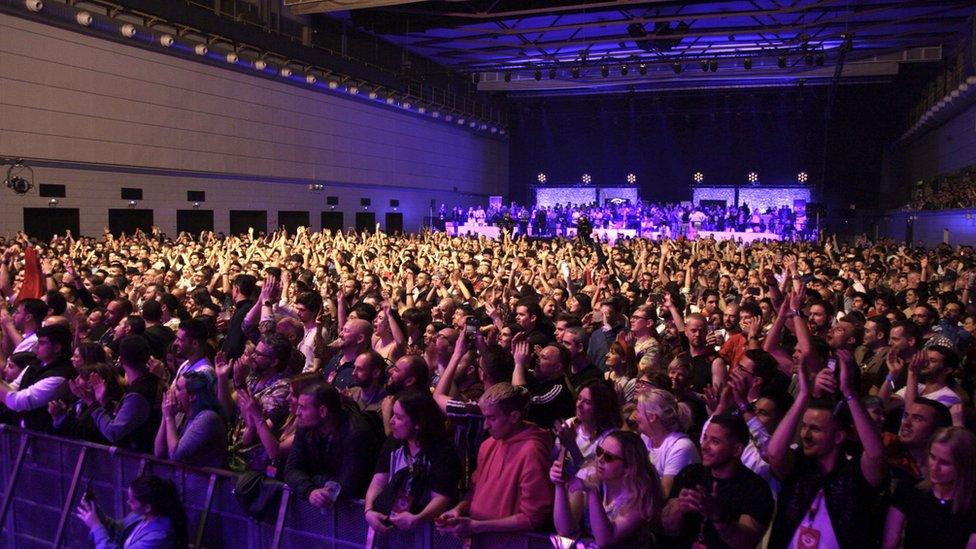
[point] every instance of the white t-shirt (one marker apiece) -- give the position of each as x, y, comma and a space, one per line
944, 395
676, 452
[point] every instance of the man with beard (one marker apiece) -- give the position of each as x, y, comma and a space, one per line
334, 449
719, 502
907, 452
826, 497
191, 345
368, 386
409, 372
873, 353
550, 396
354, 339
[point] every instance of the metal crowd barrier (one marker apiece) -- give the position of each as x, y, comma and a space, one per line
43, 478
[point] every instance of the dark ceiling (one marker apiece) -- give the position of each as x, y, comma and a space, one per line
551, 45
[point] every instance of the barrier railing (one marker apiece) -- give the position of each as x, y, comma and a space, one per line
44, 477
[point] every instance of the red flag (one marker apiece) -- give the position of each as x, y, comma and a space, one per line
33, 286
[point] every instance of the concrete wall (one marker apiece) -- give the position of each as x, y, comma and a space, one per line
929, 227
946, 148
97, 116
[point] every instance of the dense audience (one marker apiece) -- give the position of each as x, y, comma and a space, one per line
946, 192
669, 220
674, 392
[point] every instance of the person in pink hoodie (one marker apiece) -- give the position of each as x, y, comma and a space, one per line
511, 490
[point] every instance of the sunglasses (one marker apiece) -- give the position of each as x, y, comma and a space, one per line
607, 456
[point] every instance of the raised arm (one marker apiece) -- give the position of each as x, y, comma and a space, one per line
780, 457
873, 463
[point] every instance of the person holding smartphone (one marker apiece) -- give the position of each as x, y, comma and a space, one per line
156, 518
618, 491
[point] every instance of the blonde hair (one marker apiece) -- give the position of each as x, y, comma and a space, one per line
506, 397
640, 477
962, 448
662, 404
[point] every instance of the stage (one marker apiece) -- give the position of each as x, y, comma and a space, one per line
611, 235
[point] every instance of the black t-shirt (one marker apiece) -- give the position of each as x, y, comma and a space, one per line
701, 372
850, 500
930, 523
746, 493
550, 400
436, 469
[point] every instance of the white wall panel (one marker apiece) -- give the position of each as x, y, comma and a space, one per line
70, 98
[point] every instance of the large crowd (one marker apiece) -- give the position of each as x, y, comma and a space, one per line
647, 393
666, 219
949, 191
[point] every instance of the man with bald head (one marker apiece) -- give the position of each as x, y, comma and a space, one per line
550, 397
353, 340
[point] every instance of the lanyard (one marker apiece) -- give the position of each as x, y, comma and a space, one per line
815, 508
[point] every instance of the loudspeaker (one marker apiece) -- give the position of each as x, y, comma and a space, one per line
131, 194
394, 203
365, 201
332, 200
196, 196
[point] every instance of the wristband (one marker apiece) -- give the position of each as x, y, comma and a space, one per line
890, 379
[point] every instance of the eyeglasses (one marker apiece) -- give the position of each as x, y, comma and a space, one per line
636, 317
607, 456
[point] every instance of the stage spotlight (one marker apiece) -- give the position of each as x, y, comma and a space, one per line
713, 66
83, 18
747, 63
802, 177
373, 94
605, 71
753, 177
698, 177
781, 62
819, 59
704, 66
677, 67
260, 64
552, 74
624, 70
333, 85
166, 40
421, 109
407, 104
541, 177
285, 72
631, 178
127, 30
231, 58
460, 121
642, 69
310, 78
537, 75
34, 5
201, 49
575, 72
587, 179
390, 99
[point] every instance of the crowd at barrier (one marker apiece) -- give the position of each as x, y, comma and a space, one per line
668, 220
648, 393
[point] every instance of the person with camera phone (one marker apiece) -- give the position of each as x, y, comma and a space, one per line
156, 518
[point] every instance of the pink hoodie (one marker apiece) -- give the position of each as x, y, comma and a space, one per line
513, 478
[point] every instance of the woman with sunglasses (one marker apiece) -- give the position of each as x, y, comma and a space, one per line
620, 492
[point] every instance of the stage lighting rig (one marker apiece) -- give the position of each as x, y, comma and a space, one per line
20, 177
